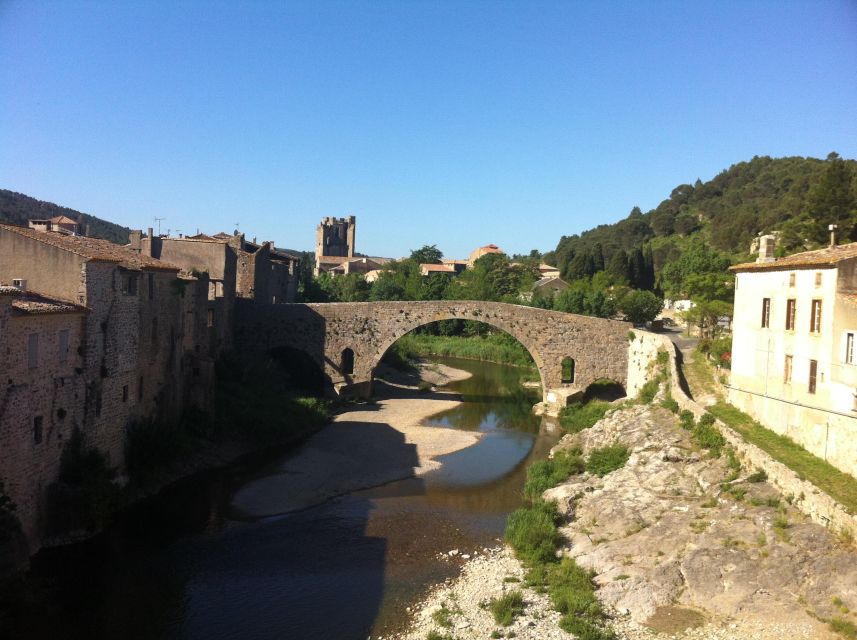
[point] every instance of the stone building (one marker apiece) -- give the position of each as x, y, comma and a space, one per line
482, 251
794, 363
57, 224
96, 337
334, 242
266, 274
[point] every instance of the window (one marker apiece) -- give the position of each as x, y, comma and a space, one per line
33, 350
567, 370
38, 423
347, 364
791, 309
815, 317
766, 313
63, 348
849, 348
151, 286
787, 371
154, 330
818, 278
125, 393
210, 318
813, 374
791, 279
129, 285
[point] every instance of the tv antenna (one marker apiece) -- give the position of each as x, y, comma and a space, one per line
158, 220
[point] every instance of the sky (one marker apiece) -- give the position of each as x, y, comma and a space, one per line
449, 123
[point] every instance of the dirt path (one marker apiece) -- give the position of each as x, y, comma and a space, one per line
369, 445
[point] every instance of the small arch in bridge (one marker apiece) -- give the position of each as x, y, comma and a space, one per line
346, 363
567, 370
604, 389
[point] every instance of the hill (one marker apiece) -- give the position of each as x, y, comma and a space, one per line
794, 196
16, 208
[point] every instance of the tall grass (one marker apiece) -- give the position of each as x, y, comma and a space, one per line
544, 474
607, 459
581, 415
490, 348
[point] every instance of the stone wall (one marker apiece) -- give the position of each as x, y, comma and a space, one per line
811, 500
325, 331
40, 407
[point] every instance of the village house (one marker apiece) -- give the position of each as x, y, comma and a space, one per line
794, 363
97, 337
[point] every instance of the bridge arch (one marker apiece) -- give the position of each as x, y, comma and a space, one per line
599, 347
385, 347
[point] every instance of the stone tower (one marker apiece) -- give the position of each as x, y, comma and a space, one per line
334, 238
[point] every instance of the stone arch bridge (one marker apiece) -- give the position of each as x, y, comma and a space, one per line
347, 340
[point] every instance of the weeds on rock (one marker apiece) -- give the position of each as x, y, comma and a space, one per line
607, 459
581, 415
758, 476
544, 474
843, 627
442, 617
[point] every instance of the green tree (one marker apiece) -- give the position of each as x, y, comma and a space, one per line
832, 201
641, 306
427, 254
619, 268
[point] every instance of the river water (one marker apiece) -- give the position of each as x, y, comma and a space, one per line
180, 566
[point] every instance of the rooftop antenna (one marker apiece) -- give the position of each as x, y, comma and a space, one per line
158, 220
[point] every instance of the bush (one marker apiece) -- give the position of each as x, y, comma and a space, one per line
581, 415
507, 608
686, 420
605, 460
424, 387
670, 404
544, 474
759, 476
532, 532
707, 436
649, 391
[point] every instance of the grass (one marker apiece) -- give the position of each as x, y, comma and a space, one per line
544, 474
490, 348
845, 628
699, 375
507, 608
442, 617
838, 484
435, 635
581, 415
607, 459
532, 532
707, 436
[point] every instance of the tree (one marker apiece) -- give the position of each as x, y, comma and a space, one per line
831, 201
427, 254
641, 306
704, 315
387, 287
697, 259
618, 267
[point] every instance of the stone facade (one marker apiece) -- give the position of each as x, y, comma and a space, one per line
334, 242
368, 329
137, 346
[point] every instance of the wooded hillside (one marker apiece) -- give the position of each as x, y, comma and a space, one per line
797, 197
16, 208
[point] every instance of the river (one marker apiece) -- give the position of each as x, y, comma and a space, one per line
183, 566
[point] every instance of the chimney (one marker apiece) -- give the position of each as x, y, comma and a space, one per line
832, 228
766, 249
151, 233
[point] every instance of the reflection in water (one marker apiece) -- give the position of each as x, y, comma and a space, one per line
177, 567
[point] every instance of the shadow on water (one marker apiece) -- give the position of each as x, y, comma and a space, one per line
180, 566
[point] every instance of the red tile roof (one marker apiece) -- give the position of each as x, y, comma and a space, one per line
827, 257
93, 249
33, 303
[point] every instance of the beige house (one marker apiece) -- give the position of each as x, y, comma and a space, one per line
794, 362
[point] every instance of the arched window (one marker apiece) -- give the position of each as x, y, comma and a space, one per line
568, 369
346, 367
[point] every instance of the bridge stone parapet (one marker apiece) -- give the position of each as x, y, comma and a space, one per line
348, 339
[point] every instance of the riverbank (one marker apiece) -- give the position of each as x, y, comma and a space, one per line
679, 543
366, 445
497, 348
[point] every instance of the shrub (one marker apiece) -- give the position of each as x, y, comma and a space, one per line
507, 608
544, 474
707, 436
581, 415
532, 532
670, 404
648, 391
686, 420
424, 387
845, 628
605, 460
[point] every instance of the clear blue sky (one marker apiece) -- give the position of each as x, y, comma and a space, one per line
448, 123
